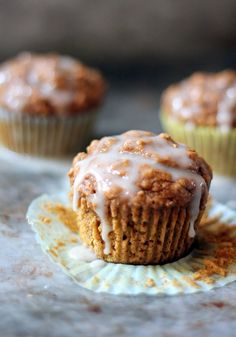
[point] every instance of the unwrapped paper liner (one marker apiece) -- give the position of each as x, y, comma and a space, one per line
63, 246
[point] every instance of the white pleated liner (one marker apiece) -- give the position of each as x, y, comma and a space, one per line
99, 276
45, 136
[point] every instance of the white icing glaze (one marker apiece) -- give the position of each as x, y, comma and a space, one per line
17, 95
67, 62
82, 253
104, 167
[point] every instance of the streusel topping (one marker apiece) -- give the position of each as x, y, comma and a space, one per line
49, 84
203, 99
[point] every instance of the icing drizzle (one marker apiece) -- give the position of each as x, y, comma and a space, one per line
116, 163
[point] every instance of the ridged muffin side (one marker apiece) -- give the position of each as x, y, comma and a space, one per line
139, 235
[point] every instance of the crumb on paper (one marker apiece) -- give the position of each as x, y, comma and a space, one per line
207, 221
190, 281
59, 245
209, 280
52, 251
176, 284
223, 255
45, 219
150, 283
66, 215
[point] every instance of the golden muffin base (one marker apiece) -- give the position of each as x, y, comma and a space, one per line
45, 136
138, 235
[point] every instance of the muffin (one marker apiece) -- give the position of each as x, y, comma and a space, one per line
139, 197
201, 112
48, 104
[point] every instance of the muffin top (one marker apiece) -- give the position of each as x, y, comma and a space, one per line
49, 84
141, 169
207, 99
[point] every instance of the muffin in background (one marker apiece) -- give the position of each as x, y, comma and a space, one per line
48, 104
201, 112
139, 197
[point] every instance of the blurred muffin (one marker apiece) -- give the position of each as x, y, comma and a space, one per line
201, 112
48, 104
139, 197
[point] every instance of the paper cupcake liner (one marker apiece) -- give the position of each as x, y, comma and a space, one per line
156, 236
45, 136
217, 147
62, 244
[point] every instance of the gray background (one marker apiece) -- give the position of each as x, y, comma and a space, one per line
111, 31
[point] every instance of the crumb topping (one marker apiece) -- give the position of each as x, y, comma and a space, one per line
223, 255
49, 84
203, 99
139, 152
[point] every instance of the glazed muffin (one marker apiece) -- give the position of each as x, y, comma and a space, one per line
201, 112
139, 197
48, 104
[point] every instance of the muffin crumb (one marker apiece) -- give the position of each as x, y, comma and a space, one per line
150, 283
223, 256
65, 214
45, 219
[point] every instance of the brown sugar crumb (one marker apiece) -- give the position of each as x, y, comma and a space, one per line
52, 251
206, 221
45, 219
65, 215
59, 245
188, 280
223, 256
176, 284
211, 267
150, 283
209, 280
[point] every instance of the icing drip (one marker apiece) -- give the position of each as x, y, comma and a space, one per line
82, 253
119, 167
